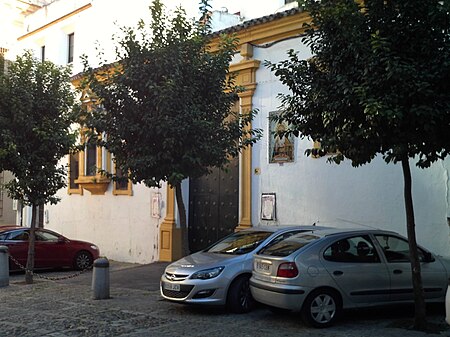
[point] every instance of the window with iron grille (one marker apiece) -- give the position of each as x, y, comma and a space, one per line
91, 159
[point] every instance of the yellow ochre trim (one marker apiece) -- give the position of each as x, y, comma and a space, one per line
285, 27
170, 235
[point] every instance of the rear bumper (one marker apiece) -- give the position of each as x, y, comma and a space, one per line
278, 295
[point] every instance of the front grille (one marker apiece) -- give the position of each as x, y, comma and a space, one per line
176, 277
184, 292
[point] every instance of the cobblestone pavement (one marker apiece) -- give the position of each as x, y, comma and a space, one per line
66, 308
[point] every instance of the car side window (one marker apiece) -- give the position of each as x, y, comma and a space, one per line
281, 237
358, 249
239, 243
46, 236
396, 249
19, 236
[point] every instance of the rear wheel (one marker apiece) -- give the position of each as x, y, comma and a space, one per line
322, 308
83, 260
239, 299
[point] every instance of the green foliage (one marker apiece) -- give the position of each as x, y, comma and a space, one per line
166, 103
2, 64
379, 81
3, 142
36, 112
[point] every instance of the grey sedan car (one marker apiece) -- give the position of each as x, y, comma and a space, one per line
320, 273
219, 275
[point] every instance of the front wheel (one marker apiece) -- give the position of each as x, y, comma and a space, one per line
83, 260
239, 299
322, 308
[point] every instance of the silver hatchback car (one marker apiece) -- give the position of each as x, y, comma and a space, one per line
219, 275
320, 273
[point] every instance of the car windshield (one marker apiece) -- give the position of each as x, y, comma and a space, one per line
289, 245
239, 243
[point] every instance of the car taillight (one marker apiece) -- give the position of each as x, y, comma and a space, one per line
287, 269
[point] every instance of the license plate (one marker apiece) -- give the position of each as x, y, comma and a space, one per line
262, 267
171, 286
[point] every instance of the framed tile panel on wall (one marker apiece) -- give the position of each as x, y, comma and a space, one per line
281, 147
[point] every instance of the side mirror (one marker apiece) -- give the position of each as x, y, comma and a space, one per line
427, 257
61, 240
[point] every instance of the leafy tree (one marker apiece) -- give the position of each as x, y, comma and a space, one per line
3, 143
166, 103
37, 105
379, 83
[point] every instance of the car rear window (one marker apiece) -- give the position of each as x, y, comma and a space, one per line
239, 243
289, 245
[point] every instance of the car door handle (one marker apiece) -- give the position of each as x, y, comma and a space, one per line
338, 272
397, 271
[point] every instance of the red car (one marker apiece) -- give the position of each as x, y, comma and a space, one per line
52, 250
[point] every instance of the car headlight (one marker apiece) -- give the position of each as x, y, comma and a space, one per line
94, 247
207, 273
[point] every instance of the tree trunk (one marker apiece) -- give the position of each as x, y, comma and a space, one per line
31, 241
183, 223
420, 322
21, 214
41, 216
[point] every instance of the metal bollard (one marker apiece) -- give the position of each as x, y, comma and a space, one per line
100, 279
4, 266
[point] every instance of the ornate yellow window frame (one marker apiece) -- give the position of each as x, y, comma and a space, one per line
78, 190
128, 191
96, 184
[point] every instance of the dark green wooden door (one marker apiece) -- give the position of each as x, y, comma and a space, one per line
213, 206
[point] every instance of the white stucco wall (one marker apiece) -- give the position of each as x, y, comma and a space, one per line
308, 190
11, 21
122, 226
313, 190
92, 27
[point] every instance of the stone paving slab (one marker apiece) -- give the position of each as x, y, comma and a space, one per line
57, 309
